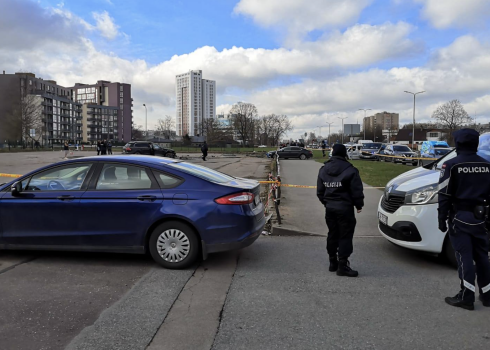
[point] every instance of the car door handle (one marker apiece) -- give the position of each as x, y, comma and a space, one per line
65, 198
147, 198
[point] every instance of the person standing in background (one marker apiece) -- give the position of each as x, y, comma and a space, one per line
66, 149
103, 147
98, 147
109, 147
204, 150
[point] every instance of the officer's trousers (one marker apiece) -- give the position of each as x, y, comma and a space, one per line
341, 224
469, 238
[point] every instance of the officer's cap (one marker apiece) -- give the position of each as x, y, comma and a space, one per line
339, 150
466, 139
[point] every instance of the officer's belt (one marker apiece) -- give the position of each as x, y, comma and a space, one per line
464, 207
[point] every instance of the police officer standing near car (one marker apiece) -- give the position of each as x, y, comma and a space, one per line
464, 194
339, 189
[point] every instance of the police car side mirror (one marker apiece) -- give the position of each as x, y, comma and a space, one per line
16, 189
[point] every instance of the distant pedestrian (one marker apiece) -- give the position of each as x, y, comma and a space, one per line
66, 150
324, 147
204, 150
103, 147
98, 147
339, 189
109, 147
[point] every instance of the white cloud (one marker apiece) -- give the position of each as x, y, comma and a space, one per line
455, 13
105, 24
301, 17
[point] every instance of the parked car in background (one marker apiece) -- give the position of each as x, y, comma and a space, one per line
399, 154
262, 146
291, 152
369, 150
354, 151
433, 150
173, 210
148, 148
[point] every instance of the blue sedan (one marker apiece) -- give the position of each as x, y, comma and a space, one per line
174, 210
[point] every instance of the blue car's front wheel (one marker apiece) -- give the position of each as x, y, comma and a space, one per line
174, 245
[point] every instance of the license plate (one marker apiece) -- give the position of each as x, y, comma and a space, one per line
383, 218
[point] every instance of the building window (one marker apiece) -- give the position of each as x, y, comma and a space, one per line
433, 134
121, 101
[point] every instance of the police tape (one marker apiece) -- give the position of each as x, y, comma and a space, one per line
10, 175
304, 186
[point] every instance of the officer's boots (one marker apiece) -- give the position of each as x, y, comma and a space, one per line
458, 301
334, 263
345, 270
485, 299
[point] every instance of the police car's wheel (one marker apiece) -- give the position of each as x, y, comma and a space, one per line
449, 252
174, 245
302, 157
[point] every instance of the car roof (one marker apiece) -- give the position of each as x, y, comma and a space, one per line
130, 158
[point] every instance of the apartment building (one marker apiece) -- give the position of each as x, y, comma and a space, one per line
102, 99
195, 102
58, 116
382, 121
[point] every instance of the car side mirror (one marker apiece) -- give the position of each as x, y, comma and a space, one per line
16, 188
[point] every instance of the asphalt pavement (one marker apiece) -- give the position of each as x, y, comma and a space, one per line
302, 212
283, 297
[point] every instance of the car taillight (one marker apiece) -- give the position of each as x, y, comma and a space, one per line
128, 149
236, 199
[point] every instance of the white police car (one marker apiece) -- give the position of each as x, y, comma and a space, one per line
407, 211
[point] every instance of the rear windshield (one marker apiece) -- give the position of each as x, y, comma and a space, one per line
401, 149
441, 151
202, 172
372, 146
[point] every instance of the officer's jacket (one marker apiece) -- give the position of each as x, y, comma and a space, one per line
339, 184
465, 180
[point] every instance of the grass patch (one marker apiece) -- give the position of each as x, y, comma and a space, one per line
376, 174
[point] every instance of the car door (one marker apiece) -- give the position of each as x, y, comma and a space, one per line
284, 153
119, 206
295, 152
45, 212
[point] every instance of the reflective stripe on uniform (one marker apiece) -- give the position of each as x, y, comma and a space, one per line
486, 289
443, 185
469, 286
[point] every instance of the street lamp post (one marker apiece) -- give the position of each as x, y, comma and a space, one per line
329, 123
146, 121
320, 129
364, 120
342, 127
413, 125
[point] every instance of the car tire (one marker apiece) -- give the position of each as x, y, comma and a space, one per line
174, 245
448, 251
302, 157
168, 155
137, 152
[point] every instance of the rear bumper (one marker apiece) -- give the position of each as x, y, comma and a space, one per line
223, 247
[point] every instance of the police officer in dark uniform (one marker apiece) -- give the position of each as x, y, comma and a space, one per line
464, 192
339, 188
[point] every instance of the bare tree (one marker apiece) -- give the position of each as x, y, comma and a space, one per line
26, 117
451, 116
244, 118
280, 126
216, 133
166, 126
137, 132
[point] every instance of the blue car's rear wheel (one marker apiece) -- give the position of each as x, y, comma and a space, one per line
174, 245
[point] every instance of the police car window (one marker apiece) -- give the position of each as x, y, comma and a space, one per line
401, 149
445, 159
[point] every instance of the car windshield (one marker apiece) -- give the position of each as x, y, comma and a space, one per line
202, 172
372, 146
401, 149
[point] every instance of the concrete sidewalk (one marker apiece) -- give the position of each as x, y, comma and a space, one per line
302, 211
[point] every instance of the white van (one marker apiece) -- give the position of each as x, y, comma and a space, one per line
407, 211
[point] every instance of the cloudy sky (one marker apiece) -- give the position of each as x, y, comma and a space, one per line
314, 60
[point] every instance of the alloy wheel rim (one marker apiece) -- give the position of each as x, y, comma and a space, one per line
173, 245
